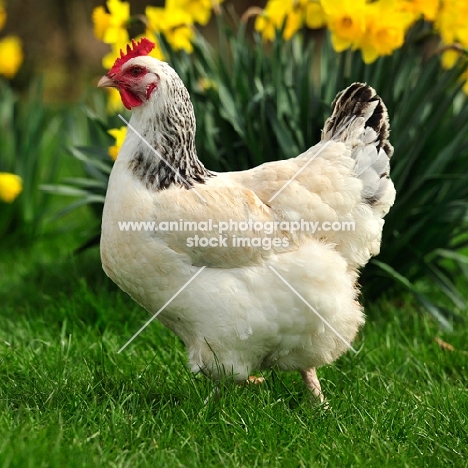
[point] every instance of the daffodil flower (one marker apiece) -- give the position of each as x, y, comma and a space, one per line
385, 29
315, 16
174, 24
427, 8
346, 21
450, 58
199, 10
119, 135
291, 14
451, 22
111, 28
114, 101
10, 186
11, 54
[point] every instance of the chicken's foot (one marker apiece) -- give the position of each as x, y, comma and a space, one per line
311, 380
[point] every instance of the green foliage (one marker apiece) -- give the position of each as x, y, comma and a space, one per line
256, 103
86, 123
29, 142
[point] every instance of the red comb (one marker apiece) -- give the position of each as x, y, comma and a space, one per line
144, 47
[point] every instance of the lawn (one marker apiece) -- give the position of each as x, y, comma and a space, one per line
68, 399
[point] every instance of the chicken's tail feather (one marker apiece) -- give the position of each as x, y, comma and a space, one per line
360, 119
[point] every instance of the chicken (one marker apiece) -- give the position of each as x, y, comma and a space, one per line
286, 296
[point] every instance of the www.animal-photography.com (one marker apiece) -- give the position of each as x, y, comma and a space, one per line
233, 234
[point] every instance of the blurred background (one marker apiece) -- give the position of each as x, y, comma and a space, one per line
59, 42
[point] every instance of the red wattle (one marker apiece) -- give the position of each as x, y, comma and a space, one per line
129, 99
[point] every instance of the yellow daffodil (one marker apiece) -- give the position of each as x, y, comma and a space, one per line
427, 8
271, 19
346, 21
174, 24
114, 101
450, 58
119, 135
290, 13
11, 54
451, 21
101, 21
111, 28
315, 16
199, 10
10, 186
461, 24
206, 83
385, 29
294, 22
3, 16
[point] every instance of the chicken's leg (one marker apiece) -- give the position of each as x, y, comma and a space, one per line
311, 380
253, 379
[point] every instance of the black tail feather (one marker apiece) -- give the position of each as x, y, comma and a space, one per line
357, 101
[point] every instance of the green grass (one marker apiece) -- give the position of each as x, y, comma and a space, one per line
67, 399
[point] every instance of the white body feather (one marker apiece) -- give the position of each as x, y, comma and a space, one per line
238, 315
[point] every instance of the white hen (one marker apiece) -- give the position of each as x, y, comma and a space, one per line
290, 307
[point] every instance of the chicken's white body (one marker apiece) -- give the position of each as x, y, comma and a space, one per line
291, 307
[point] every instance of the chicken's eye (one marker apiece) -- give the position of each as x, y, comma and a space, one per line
136, 71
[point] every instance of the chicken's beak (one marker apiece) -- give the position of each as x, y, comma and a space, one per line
106, 82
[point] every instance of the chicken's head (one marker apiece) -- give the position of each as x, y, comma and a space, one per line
136, 75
